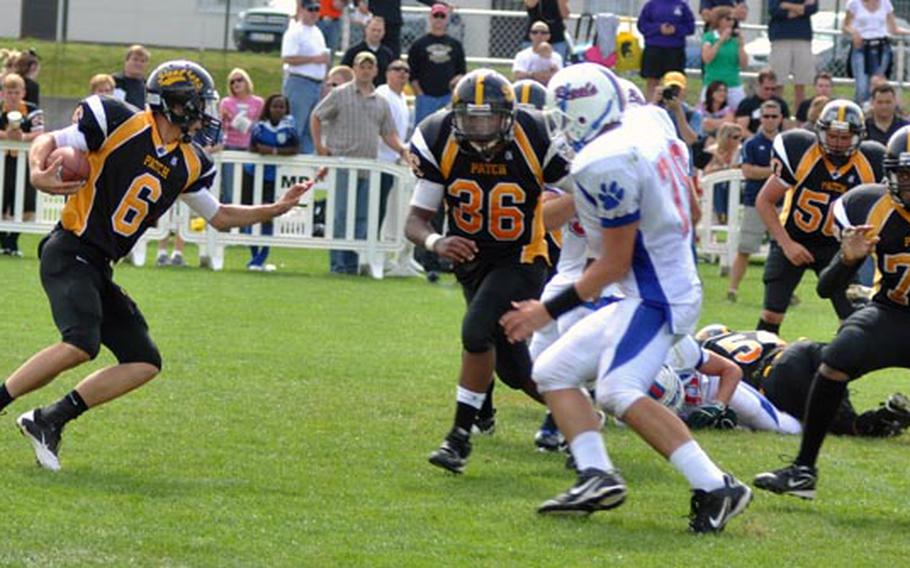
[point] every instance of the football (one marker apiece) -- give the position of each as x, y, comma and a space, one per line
666, 389
75, 166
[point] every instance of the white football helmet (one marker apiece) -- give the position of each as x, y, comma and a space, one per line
667, 389
584, 99
633, 95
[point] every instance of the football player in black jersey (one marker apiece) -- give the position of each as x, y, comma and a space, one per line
784, 372
488, 162
140, 163
810, 172
873, 219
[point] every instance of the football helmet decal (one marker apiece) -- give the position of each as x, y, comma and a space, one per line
184, 92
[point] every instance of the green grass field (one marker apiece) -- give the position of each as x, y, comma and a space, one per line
291, 425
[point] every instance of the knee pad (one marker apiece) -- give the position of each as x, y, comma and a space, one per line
86, 339
616, 396
475, 338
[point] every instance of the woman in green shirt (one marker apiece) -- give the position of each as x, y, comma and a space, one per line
724, 55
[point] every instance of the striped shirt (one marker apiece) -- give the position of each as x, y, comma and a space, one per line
352, 122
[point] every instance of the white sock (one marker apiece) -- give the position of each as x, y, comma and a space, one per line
589, 451
692, 461
470, 397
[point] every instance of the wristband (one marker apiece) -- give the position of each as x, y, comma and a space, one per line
565, 301
431, 241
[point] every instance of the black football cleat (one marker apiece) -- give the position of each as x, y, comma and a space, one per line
711, 510
45, 438
595, 490
796, 480
453, 454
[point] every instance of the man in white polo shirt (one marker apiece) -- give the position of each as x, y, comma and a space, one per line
305, 57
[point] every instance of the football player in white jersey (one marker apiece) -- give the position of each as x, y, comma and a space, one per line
572, 259
632, 198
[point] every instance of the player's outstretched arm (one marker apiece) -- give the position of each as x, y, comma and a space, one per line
229, 216
45, 177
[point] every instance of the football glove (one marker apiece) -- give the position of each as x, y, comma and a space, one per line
713, 415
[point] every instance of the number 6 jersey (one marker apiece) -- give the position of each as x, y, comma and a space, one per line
134, 178
496, 203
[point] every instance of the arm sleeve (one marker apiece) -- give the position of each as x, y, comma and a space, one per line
202, 202
427, 195
461, 66
71, 136
687, 26
616, 197
779, 155
427, 166
327, 109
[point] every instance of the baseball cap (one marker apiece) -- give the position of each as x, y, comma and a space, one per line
439, 9
674, 78
364, 56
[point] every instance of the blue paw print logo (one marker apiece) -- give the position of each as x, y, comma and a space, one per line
611, 197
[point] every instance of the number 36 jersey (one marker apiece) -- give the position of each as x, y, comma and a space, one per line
497, 202
134, 178
815, 182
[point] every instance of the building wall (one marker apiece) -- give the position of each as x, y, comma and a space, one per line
178, 23
11, 21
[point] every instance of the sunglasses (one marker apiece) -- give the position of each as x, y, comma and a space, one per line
540, 32
312, 9
736, 138
770, 116
399, 68
440, 16
238, 80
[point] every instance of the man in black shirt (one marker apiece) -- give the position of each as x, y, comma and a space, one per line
883, 120
130, 84
554, 14
390, 12
437, 62
823, 88
372, 42
748, 113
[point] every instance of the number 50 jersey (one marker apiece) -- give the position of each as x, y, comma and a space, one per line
134, 178
496, 203
815, 182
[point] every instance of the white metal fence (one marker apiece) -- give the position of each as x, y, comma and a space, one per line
718, 240
310, 225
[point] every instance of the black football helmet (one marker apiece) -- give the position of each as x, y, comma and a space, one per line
897, 164
484, 110
840, 115
530, 94
184, 92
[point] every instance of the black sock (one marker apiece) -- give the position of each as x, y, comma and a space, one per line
5, 398
767, 326
465, 414
67, 408
824, 398
487, 411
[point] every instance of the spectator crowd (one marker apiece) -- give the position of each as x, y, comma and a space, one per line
330, 110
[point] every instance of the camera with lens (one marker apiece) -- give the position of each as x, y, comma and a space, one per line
670, 92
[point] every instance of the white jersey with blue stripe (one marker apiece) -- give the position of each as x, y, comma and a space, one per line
637, 172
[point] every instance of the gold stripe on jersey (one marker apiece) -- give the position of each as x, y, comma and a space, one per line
537, 247
805, 166
448, 157
78, 207
527, 150
193, 165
